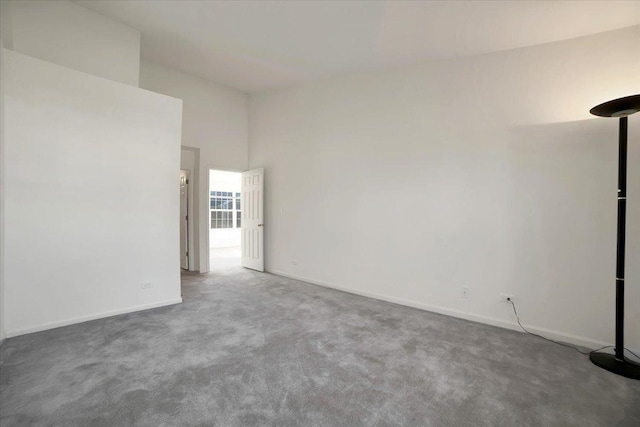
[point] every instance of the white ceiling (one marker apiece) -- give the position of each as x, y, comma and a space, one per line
253, 46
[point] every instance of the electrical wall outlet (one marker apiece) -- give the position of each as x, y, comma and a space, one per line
506, 297
147, 285
465, 292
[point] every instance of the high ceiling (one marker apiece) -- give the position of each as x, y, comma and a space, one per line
258, 45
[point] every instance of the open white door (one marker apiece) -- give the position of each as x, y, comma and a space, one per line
253, 219
184, 220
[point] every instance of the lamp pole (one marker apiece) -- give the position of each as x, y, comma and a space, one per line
618, 363
622, 216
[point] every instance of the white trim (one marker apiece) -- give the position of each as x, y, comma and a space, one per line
83, 319
554, 335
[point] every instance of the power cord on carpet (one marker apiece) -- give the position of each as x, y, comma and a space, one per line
557, 342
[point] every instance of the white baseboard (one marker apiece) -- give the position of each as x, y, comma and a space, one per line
554, 335
82, 319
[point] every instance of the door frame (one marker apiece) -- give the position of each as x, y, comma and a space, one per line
189, 220
193, 209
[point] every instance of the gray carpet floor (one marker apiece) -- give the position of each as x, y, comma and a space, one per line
248, 348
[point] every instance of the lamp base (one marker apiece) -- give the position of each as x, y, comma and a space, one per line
625, 367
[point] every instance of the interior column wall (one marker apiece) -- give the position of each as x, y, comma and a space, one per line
5, 36
91, 196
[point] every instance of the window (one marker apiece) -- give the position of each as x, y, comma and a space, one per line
222, 200
225, 209
221, 219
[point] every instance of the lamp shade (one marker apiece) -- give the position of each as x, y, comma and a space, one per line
620, 107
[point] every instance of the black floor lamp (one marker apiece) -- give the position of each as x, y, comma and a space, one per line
618, 363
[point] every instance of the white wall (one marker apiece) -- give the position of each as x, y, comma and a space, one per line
485, 172
187, 159
215, 121
225, 181
73, 36
4, 33
91, 196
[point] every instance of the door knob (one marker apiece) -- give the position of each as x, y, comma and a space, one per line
260, 225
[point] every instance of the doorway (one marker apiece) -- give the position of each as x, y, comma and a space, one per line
225, 219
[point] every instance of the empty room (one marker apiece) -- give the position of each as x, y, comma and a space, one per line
319, 213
